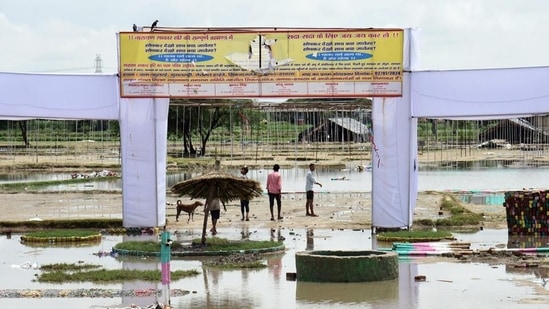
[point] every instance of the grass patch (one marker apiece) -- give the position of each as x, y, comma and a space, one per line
64, 224
460, 216
145, 246
237, 265
61, 236
222, 244
68, 267
61, 233
414, 236
62, 273
213, 244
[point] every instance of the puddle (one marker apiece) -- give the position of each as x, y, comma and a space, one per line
449, 283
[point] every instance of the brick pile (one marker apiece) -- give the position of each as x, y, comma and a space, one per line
527, 212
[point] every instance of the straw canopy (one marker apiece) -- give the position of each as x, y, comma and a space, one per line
218, 184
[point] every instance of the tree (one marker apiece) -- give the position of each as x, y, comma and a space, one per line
23, 127
199, 118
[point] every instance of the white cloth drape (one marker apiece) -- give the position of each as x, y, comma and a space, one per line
58, 96
143, 130
480, 94
394, 150
394, 161
143, 133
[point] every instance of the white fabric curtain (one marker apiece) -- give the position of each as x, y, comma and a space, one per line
394, 150
480, 94
143, 129
58, 96
394, 161
143, 133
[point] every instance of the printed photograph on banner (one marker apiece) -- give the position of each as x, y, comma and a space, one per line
319, 63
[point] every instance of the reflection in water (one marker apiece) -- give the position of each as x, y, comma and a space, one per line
472, 180
408, 287
310, 240
527, 241
245, 233
385, 292
223, 289
275, 267
278, 236
450, 284
136, 263
137, 285
395, 294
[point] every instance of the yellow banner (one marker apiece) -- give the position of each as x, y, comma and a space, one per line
311, 63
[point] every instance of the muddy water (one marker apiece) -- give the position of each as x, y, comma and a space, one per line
449, 284
473, 179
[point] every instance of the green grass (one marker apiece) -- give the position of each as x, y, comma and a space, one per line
237, 265
61, 233
63, 273
67, 224
145, 246
212, 244
460, 216
222, 244
68, 267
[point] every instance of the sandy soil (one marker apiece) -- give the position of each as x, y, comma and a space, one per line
335, 210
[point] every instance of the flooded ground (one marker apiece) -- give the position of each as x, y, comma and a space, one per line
473, 185
449, 283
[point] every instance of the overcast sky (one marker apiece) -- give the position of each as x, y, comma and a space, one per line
64, 36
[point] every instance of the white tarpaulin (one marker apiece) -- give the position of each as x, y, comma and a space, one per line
143, 130
58, 96
143, 133
394, 150
480, 94
394, 162
465, 94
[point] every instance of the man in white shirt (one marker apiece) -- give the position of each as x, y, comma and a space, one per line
310, 181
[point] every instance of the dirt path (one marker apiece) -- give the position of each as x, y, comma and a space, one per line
335, 210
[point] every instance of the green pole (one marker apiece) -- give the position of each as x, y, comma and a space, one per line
165, 253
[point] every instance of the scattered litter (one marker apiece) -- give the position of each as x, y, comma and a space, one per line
26, 265
420, 278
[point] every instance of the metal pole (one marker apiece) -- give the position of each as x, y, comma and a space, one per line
165, 253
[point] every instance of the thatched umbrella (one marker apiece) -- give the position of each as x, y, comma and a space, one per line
217, 184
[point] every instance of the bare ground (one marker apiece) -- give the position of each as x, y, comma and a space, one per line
335, 210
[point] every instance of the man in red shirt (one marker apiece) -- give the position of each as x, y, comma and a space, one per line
274, 189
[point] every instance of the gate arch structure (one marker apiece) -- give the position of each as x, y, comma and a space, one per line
261, 62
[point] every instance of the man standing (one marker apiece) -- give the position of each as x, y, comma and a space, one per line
274, 189
244, 203
310, 181
215, 210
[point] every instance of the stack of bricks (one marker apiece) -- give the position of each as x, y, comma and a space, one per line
527, 213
